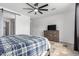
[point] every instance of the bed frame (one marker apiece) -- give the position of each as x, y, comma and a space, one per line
48, 53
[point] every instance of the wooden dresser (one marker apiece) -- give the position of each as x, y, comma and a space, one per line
52, 35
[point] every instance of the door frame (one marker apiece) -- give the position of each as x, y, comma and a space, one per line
75, 31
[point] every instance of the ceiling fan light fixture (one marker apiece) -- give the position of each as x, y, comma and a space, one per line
36, 10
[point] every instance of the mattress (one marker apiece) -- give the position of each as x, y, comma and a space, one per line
23, 45
49, 46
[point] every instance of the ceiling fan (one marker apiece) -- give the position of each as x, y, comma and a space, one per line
36, 9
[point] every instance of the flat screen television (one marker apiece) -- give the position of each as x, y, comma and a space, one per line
51, 27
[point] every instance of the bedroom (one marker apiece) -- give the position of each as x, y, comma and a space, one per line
17, 21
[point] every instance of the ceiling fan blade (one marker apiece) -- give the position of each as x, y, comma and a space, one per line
30, 11
53, 8
28, 8
43, 9
30, 5
43, 6
40, 12
36, 4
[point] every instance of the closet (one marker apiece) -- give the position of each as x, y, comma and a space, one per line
7, 23
9, 26
13, 24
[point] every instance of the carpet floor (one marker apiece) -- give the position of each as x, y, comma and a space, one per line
62, 49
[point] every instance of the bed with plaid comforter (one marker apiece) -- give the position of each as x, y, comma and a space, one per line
22, 45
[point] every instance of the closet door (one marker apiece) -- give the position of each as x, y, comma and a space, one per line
6, 28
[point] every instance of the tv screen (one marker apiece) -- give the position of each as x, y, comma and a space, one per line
51, 27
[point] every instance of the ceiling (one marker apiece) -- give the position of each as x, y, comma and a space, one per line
18, 7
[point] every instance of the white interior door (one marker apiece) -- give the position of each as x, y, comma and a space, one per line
22, 25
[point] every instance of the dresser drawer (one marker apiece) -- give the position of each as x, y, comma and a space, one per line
52, 35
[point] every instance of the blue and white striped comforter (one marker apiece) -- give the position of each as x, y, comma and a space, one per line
22, 45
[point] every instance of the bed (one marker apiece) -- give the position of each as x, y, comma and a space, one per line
23, 45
